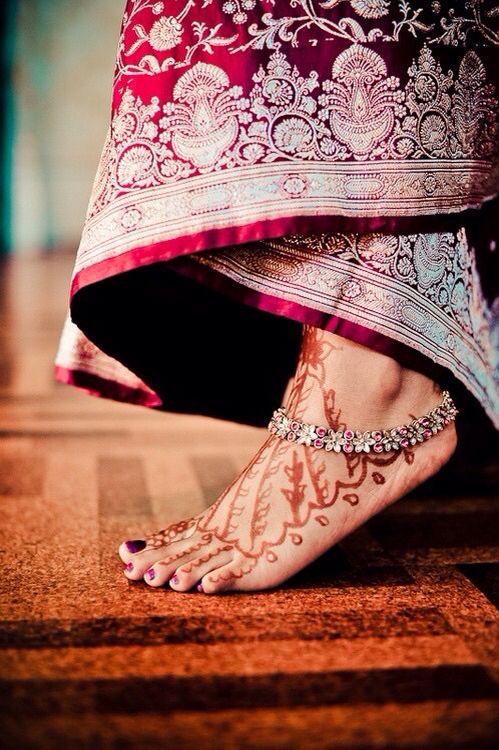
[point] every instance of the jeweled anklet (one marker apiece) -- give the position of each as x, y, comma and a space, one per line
350, 441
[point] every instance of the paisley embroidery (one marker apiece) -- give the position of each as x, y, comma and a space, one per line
361, 99
203, 123
447, 118
431, 264
473, 108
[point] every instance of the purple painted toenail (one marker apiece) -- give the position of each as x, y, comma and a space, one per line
135, 545
151, 574
200, 588
129, 567
174, 580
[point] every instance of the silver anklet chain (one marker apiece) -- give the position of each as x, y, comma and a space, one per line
350, 441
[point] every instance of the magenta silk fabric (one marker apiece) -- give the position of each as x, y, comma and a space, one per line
368, 123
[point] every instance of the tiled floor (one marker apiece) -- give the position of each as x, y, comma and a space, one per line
389, 641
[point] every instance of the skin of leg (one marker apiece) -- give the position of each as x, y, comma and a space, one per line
292, 502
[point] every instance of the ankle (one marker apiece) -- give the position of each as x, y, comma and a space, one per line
365, 389
377, 381
384, 393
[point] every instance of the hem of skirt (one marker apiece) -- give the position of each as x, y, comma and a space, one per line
155, 251
382, 343
96, 385
269, 303
178, 248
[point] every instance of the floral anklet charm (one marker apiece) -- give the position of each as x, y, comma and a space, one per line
350, 441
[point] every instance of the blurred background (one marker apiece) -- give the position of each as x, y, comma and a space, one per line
57, 69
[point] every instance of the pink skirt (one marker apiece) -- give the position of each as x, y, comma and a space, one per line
270, 165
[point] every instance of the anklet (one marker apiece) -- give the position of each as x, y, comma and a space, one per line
349, 441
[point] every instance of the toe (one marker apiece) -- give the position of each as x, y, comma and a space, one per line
134, 570
137, 564
123, 552
189, 575
175, 532
229, 577
135, 545
161, 571
183, 552
131, 547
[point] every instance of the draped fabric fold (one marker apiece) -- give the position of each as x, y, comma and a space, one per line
270, 164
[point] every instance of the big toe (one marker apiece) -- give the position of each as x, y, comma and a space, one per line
131, 547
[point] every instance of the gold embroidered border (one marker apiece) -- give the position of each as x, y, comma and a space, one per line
250, 194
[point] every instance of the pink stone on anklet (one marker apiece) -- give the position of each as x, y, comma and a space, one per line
358, 441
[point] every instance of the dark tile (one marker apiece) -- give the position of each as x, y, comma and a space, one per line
295, 728
485, 576
208, 692
334, 568
434, 530
307, 625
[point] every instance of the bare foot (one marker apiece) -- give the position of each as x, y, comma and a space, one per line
292, 502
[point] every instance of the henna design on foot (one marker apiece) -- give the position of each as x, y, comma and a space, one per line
290, 503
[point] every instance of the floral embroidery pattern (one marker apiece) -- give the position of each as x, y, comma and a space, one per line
362, 115
272, 31
165, 34
236, 8
368, 8
457, 28
275, 31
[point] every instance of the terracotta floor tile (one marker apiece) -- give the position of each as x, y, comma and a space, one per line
390, 640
